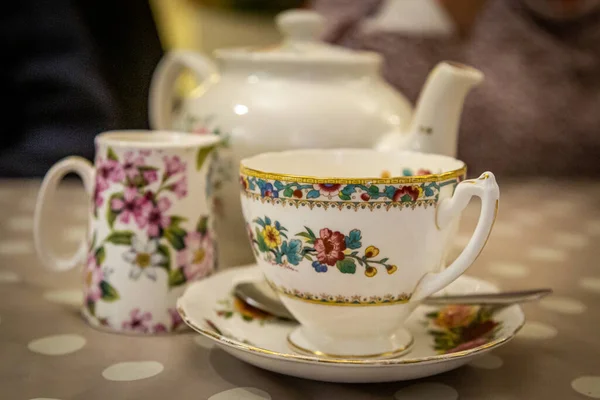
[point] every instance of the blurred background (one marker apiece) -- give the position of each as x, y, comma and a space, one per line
72, 69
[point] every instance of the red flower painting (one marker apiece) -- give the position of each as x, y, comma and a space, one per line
330, 246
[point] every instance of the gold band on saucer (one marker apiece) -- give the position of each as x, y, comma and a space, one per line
241, 346
387, 354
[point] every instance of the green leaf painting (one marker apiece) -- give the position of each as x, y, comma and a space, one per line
201, 156
111, 155
120, 237
346, 266
109, 293
176, 277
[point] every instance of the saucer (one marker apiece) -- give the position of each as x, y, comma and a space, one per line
444, 338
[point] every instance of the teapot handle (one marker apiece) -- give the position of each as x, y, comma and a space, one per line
163, 82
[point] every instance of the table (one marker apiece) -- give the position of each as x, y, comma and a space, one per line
547, 235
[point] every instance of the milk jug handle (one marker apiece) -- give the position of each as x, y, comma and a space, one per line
164, 79
484, 187
49, 259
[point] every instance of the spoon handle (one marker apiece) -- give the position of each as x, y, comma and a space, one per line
505, 298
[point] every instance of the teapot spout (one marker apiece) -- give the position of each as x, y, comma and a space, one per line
434, 127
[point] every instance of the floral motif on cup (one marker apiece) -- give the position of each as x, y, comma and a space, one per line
331, 299
349, 195
142, 196
328, 249
460, 327
142, 322
221, 168
96, 286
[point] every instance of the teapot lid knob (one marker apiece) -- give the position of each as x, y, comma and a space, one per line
301, 25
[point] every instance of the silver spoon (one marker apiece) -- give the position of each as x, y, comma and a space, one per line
260, 295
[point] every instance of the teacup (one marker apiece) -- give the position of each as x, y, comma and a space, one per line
150, 229
352, 240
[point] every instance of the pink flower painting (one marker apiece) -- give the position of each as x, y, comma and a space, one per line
180, 188
131, 165
154, 218
173, 165
150, 176
92, 276
132, 205
197, 257
108, 171
138, 321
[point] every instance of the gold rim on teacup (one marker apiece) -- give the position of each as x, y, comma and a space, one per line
263, 174
444, 176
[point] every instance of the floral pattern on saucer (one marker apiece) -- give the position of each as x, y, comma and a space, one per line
265, 345
232, 305
459, 327
452, 328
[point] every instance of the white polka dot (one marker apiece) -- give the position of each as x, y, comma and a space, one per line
588, 386
547, 254
13, 247
9, 277
44, 398
241, 393
487, 361
72, 297
57, 345
204, 342
75, 234
426, 391
461, 241
508, 270
505, 229
591, 284
537, 330
593, 228
23, 223
571, 240
563, 305
132, 370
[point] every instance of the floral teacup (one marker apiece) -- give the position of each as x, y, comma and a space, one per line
352, 240
150, 230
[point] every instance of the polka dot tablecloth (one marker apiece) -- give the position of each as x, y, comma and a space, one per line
547, 235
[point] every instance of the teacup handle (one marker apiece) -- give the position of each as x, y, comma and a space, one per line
484, 187
85, 170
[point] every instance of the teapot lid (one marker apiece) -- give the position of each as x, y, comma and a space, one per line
301, 30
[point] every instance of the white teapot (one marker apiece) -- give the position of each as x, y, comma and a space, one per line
302, 93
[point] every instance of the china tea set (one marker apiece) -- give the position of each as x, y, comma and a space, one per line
301, 159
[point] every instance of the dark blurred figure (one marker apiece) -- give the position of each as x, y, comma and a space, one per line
537, 112
69, 71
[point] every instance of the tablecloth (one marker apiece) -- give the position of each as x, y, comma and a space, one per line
547, 235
